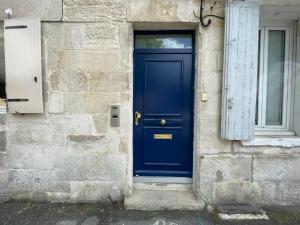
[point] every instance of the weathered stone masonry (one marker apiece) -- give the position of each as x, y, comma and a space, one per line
71, 154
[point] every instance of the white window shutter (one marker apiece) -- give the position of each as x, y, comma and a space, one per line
22, 43
240, 70
297, 87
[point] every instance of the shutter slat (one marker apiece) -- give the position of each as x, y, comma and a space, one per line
22, 43
297, 87
240, 70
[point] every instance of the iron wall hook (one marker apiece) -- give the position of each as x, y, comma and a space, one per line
204, 24
202, 18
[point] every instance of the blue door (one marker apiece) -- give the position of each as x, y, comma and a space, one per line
163, 104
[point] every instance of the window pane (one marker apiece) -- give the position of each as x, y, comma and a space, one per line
275, 77
2, 68
163, 41
258, 76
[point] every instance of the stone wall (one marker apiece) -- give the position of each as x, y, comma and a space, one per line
72, 154
3, 160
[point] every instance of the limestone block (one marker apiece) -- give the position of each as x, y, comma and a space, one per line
277, 193
236, 192
4, 161
28, 158
86, 81
2, 141
26, 119
267, 193
212, 106
53, 61
85, 60
2, 119
238, 148
55, 102
90, 191
89, 166
97, 102
41, 196
276, 168
212, 83
104, 81
81, 36
75, 124
161, 11
209, 137
157, 200
124, 146
30, 134
288, 193
71, 102
224, 168
205, 192
212, 38
126, 119
116, 195
4, 198
213, 145
100, 123
280, 3
3, 182
212, 61
105, 10
208, 125
126, 44
43, 9
35, 181
102, 144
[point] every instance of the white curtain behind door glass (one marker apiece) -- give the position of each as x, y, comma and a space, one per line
275, 77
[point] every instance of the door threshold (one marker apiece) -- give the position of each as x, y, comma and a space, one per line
169, 180
142, 199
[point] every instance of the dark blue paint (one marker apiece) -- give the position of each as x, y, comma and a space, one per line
163, 89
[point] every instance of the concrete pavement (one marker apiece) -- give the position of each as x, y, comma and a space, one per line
16, 213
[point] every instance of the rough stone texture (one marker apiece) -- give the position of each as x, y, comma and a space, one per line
29, 180
56, 103
276, 168
104, 10
160, 200
90, 191
161, 11
225, 168
23, 158
43, 9
71, 154
236, 192
4, 160
116, 195
280, 3
89, 166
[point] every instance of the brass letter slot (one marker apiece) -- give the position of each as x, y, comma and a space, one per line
163, 136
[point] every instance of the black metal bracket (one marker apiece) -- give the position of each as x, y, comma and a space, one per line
18, 100
202, 18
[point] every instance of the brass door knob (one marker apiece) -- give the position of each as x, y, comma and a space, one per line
163, 122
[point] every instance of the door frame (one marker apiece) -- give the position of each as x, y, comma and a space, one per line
191, 51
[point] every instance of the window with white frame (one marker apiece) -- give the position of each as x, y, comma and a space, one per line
2, 72
275, 77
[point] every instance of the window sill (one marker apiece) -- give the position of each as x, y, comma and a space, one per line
274, 141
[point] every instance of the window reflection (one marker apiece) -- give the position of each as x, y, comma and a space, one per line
2, 69
163, 41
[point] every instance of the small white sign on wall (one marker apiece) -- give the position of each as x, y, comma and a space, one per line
22, 44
